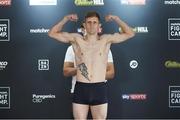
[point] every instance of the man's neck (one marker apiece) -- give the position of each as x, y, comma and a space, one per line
91, 38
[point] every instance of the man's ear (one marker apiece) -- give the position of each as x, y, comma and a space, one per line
100, 29
84, 24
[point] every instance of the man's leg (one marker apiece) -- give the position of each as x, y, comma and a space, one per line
99, 111
80, 111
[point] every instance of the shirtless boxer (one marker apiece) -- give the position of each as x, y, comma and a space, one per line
91, 53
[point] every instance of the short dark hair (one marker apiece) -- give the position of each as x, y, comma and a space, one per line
92, 14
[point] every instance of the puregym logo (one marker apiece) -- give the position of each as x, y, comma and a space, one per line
4, 30
4, 97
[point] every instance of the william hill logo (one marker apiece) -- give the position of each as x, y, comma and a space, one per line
172, 64
88, 2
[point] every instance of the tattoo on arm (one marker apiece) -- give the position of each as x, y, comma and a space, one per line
82, 67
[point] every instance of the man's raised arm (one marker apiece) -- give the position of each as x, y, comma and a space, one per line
127, 31
56, 31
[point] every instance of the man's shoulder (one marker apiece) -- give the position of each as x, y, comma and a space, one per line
105, 36
77, 35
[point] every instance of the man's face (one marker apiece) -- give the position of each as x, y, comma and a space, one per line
92, 25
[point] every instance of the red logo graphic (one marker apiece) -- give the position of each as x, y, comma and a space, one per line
5, 2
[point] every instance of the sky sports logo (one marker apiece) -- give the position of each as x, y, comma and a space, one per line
133, 2
136, 97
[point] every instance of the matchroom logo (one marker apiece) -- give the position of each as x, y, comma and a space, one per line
171, 2
174, 96
4, 97
174, 28
4, 30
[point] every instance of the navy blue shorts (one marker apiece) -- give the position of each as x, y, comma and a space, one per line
90, 93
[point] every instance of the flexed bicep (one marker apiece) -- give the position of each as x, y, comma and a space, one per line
118, 37
64, 37
57, 33
127, 31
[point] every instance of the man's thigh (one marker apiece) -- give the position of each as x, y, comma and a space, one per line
99, 111
80, 111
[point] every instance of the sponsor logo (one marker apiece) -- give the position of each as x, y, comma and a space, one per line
39, 30
174, 28
42, 2
133, 2
41, 98
174, 96
88, 2
5, 2
133, 64
134, 97
4, 97
172, 64
4, 30
43, 64
3, 65
138, 29
171, 2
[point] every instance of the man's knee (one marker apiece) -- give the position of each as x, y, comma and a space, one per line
80, 117
101, 116
80, 111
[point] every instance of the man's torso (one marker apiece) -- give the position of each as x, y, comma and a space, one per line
91, 59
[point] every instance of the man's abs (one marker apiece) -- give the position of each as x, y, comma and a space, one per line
91, 61
91, 73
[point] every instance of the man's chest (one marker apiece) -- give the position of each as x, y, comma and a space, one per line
91, 47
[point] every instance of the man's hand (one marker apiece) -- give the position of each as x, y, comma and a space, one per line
72, 17
111, 18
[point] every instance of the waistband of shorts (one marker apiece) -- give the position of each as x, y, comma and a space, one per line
96, 83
